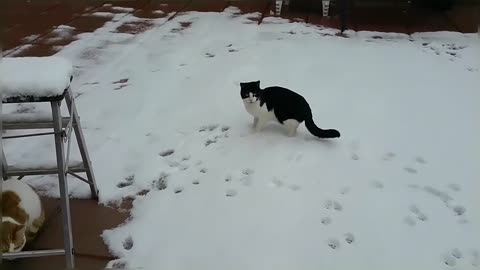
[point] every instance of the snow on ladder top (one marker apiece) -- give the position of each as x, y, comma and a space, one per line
34, 76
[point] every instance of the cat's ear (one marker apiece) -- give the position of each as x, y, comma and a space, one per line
257, 83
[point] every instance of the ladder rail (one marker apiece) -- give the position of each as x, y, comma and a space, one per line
58, 124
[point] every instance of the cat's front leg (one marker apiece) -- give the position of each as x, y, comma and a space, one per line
260, 124
255, 122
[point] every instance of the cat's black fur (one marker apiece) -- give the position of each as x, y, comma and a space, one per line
286, 105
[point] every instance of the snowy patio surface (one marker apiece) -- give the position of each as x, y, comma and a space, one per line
162, 113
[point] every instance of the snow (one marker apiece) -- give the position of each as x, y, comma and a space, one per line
102, 14
162, 112
34, 76
124, 9
30, 38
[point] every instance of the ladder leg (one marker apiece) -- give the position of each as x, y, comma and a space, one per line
64, 200
4, 166
278, 7
81, 143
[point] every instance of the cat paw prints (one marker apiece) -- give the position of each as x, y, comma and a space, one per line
354, 150
231, 48
332, 204
120, 83
459, 210
376, 184
419, 161
243, 177
178, 190
410, 170
128, 181
344, 190
277, 183
128, 243
246, 177
349, 238
214, 132
389, 156
455, 187
161, 182
210, 127
166, 153
455, 256
326, 220
231, 193
181, 163
415, 215
334, 243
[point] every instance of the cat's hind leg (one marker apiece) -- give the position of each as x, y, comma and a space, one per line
291, 125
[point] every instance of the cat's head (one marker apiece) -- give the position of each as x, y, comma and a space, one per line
12, 236
249, 91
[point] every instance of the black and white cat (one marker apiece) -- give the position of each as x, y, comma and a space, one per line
280, 104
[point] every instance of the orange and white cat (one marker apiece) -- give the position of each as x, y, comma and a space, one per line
22, 215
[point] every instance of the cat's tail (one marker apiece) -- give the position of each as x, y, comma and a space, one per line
321, 133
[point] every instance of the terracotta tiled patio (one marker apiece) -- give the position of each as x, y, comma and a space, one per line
27, 31
32, 22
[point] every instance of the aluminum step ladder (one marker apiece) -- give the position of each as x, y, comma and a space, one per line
62, 128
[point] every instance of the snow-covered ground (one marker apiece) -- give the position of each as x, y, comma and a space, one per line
162, 112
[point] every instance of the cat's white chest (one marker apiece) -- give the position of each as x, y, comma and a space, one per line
256, 110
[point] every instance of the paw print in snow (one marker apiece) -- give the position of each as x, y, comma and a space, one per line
455, 187
449, 260
333, 243
178, 190
349, 238
410, 170
377, 184
328, 204
344, 190
214, 134
248, 171
457, 253
231, 193
459, 210
294, 187
410, 221
128, 243
420, 160
333, 204
128, 181
166, 153
326, 220
389, 156
121, 83
277, 183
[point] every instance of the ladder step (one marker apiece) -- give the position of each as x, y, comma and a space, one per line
13, 171
10, 124
33, 253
